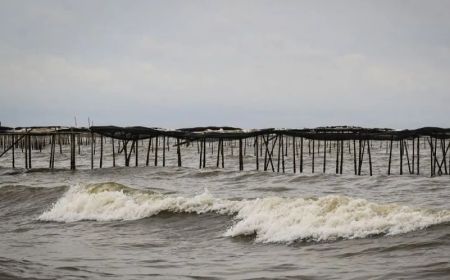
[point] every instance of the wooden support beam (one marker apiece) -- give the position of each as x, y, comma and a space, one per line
147, 160
178, 152
164, 150
257, 152
301, 154
342, 157
204, 152
337, 156
136, 152
370, 157
313, 155
241, 160
283, 151
221, 153
101, 151
92, 150
418, 156
156, 150
390, 157
201, 155
354, 157
294, 147
325, 156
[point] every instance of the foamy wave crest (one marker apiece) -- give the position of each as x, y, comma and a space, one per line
112, 201
270, 219
286, 220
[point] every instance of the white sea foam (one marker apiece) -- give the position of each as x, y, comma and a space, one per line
111, 201
270, 219
276, 219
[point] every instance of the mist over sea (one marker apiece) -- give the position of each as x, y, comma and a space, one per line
187, 223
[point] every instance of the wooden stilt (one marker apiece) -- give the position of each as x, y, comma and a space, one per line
147, 160
354, 156
279, 152
337, 156
294, 146
325, 156
401, 157
257, 152
164, 150
156, 150
201, 155
283, 145
13, 151
136, 151
221, 153
241, 161
178, 152
313, 154
301, 154
342, 157
418, 156
101, 151
390, 157
92, 150
204, 152
370, 157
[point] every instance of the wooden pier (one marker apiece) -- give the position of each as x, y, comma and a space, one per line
269, 148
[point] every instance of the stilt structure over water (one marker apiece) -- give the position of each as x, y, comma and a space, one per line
270, 149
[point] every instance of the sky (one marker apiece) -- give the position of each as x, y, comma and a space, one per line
251, 64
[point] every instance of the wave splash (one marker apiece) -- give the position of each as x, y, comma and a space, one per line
113, 201
270, 219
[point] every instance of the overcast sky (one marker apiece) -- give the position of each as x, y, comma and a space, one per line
243, 63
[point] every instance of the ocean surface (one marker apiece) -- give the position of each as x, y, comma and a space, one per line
154, 222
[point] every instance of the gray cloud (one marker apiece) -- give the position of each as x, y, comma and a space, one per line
244, 63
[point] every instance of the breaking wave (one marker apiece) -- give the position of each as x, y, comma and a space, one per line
269, 219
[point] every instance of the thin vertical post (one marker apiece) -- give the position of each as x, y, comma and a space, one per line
147, 160
101, 151
204, 152
178, 152
92, 149
221, 153
401, 157
370, 157
279, 152
324, 155
418, 154
241, 163
313, 154
136, 152
342, 157
413, 155
13, 151
164, 150
283, 144
293, 153
201, 155
218, 153
156, 150
354, 155
337, 157
257, 152
301, 154
390, 157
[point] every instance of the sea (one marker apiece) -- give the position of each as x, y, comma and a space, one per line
169, 222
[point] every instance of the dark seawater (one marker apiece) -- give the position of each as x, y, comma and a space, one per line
186, 223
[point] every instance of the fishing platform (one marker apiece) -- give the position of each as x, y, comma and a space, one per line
269, 148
